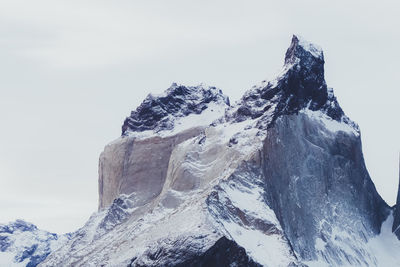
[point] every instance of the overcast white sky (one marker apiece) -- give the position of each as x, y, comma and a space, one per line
71, 71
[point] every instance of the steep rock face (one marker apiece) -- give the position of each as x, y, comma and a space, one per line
131, 166
320, 190
23, 244
279, 175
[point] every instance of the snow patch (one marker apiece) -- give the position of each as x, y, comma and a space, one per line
314, 49
213, 112
264, 249
266, 246
208, 116
386, 246
320, 244
330, 124
381, 250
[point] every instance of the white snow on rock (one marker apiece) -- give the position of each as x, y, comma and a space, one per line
213, 112
267, 248
330, 124
386, 246
314, 49
23, 244
381, 250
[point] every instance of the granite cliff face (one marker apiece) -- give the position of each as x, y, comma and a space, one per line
277, 179
149, 137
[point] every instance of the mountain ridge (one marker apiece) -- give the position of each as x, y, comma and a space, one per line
276, 179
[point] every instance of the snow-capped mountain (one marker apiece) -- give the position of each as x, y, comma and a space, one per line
23, 244
276, 179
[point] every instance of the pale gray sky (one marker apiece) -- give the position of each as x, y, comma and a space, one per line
71, 71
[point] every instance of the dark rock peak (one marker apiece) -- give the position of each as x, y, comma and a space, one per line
223, 253
301, 84
303, 51
156, 111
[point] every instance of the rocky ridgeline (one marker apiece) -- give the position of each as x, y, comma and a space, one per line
159, 112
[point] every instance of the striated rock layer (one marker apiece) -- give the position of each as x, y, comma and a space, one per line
278, 179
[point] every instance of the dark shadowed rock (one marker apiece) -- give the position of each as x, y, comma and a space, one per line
318, 185
157, 112
223, 253
300, 85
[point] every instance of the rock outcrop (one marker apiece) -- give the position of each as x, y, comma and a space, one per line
278, 179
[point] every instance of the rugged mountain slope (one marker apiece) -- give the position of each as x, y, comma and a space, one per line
278, 179
23, 244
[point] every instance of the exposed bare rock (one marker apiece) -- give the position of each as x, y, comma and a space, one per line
139, 167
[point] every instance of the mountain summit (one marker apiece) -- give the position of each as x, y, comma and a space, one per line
276, 179
300, 85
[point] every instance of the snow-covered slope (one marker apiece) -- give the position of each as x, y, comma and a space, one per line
23, 244
277, 179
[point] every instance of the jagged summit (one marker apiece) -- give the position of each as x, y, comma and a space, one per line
301, 84
301, 49
158, 112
